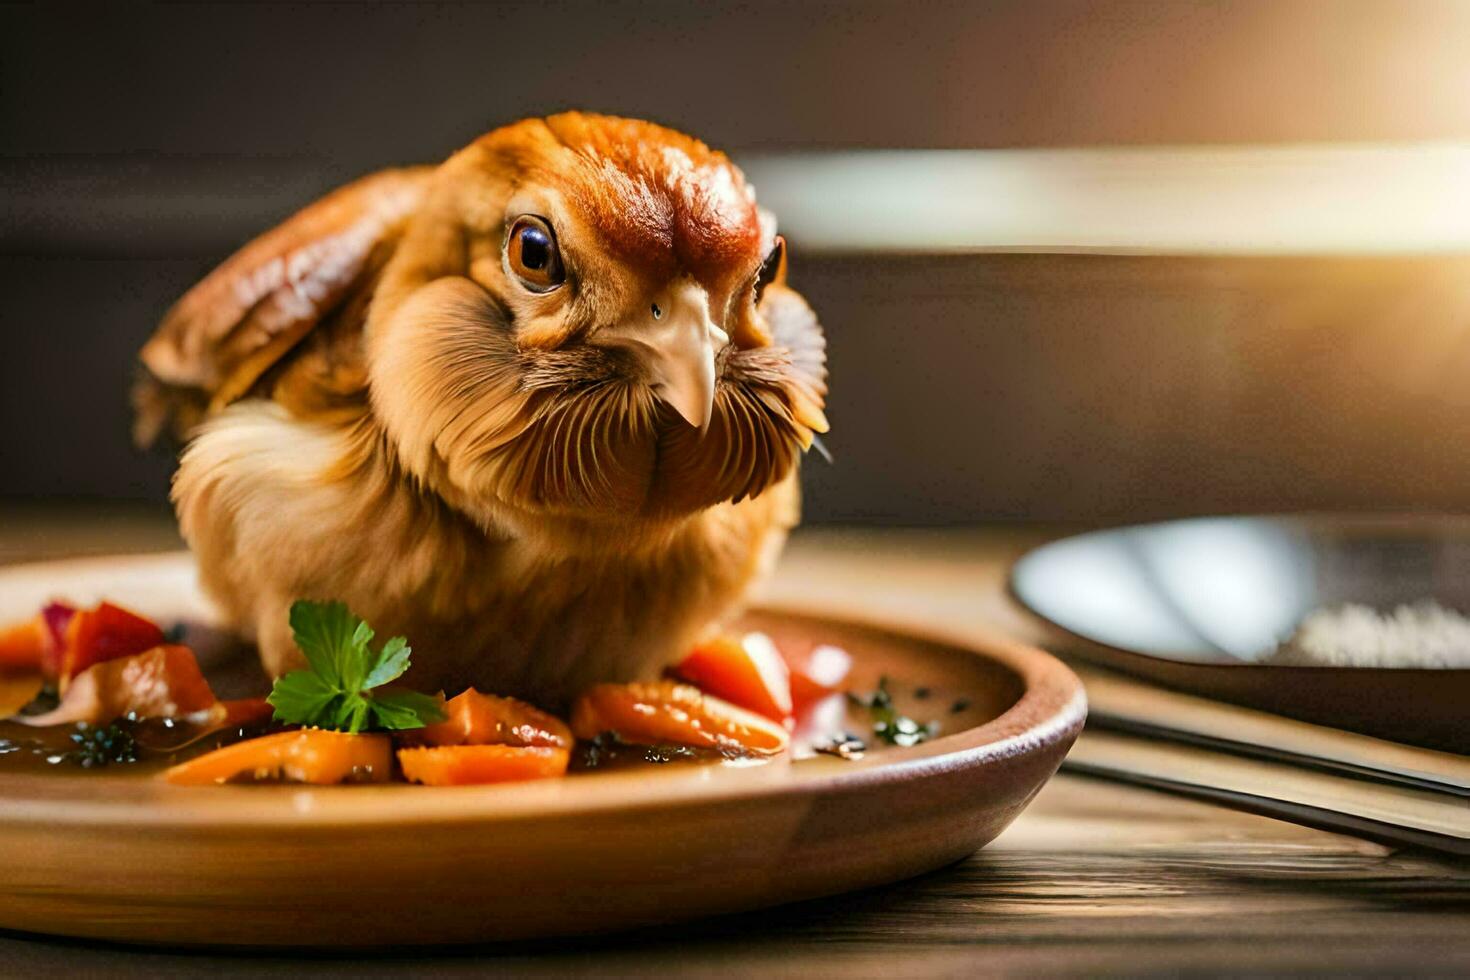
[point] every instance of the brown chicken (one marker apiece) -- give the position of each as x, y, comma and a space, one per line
539, 408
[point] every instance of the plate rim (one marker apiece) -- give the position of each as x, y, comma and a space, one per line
1051, 709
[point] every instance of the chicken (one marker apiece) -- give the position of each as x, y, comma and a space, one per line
539, 408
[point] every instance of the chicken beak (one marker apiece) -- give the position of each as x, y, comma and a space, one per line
680, 346
683, 357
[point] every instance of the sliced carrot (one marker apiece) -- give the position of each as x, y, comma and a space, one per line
164, 682
18, 688
486, 719
470, 765
23, 646
816, 673
108, 632
666, 712
311, 755
38, 643
747, 671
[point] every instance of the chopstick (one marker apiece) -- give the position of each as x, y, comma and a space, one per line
1374, 809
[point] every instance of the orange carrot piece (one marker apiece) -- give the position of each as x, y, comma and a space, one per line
666, 712
108, 632
311, 755
18, 688
748, 671
486, 719
164, 682
472, 765
23, 646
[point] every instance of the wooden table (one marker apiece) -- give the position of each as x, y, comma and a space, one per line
1093, 877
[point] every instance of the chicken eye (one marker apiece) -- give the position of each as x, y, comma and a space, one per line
531, 253
771, 268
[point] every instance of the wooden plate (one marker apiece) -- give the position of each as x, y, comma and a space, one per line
118, 856
1192, 604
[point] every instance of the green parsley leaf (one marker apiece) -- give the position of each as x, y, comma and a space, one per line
343, 669
400, 710
357, 656
392, 661
302, 696
324, 632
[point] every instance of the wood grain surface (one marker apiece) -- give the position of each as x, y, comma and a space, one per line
1094, 877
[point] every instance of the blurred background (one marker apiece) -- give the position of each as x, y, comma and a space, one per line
1078, 261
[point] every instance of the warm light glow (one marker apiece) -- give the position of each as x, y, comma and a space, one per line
1344, 199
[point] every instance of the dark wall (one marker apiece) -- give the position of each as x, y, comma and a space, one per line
139, 144
1115, 388
378, 83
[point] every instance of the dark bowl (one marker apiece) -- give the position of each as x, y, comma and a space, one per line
1195, 604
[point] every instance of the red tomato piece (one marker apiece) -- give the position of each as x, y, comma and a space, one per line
748, 671
486, 719
108, 632
822, 719
57, 616
164, 682
669, 713
241, 711
817, 673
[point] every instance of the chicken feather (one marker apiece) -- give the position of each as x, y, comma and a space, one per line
382, 407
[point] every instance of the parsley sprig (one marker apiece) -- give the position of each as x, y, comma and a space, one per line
338, 690
888, 723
